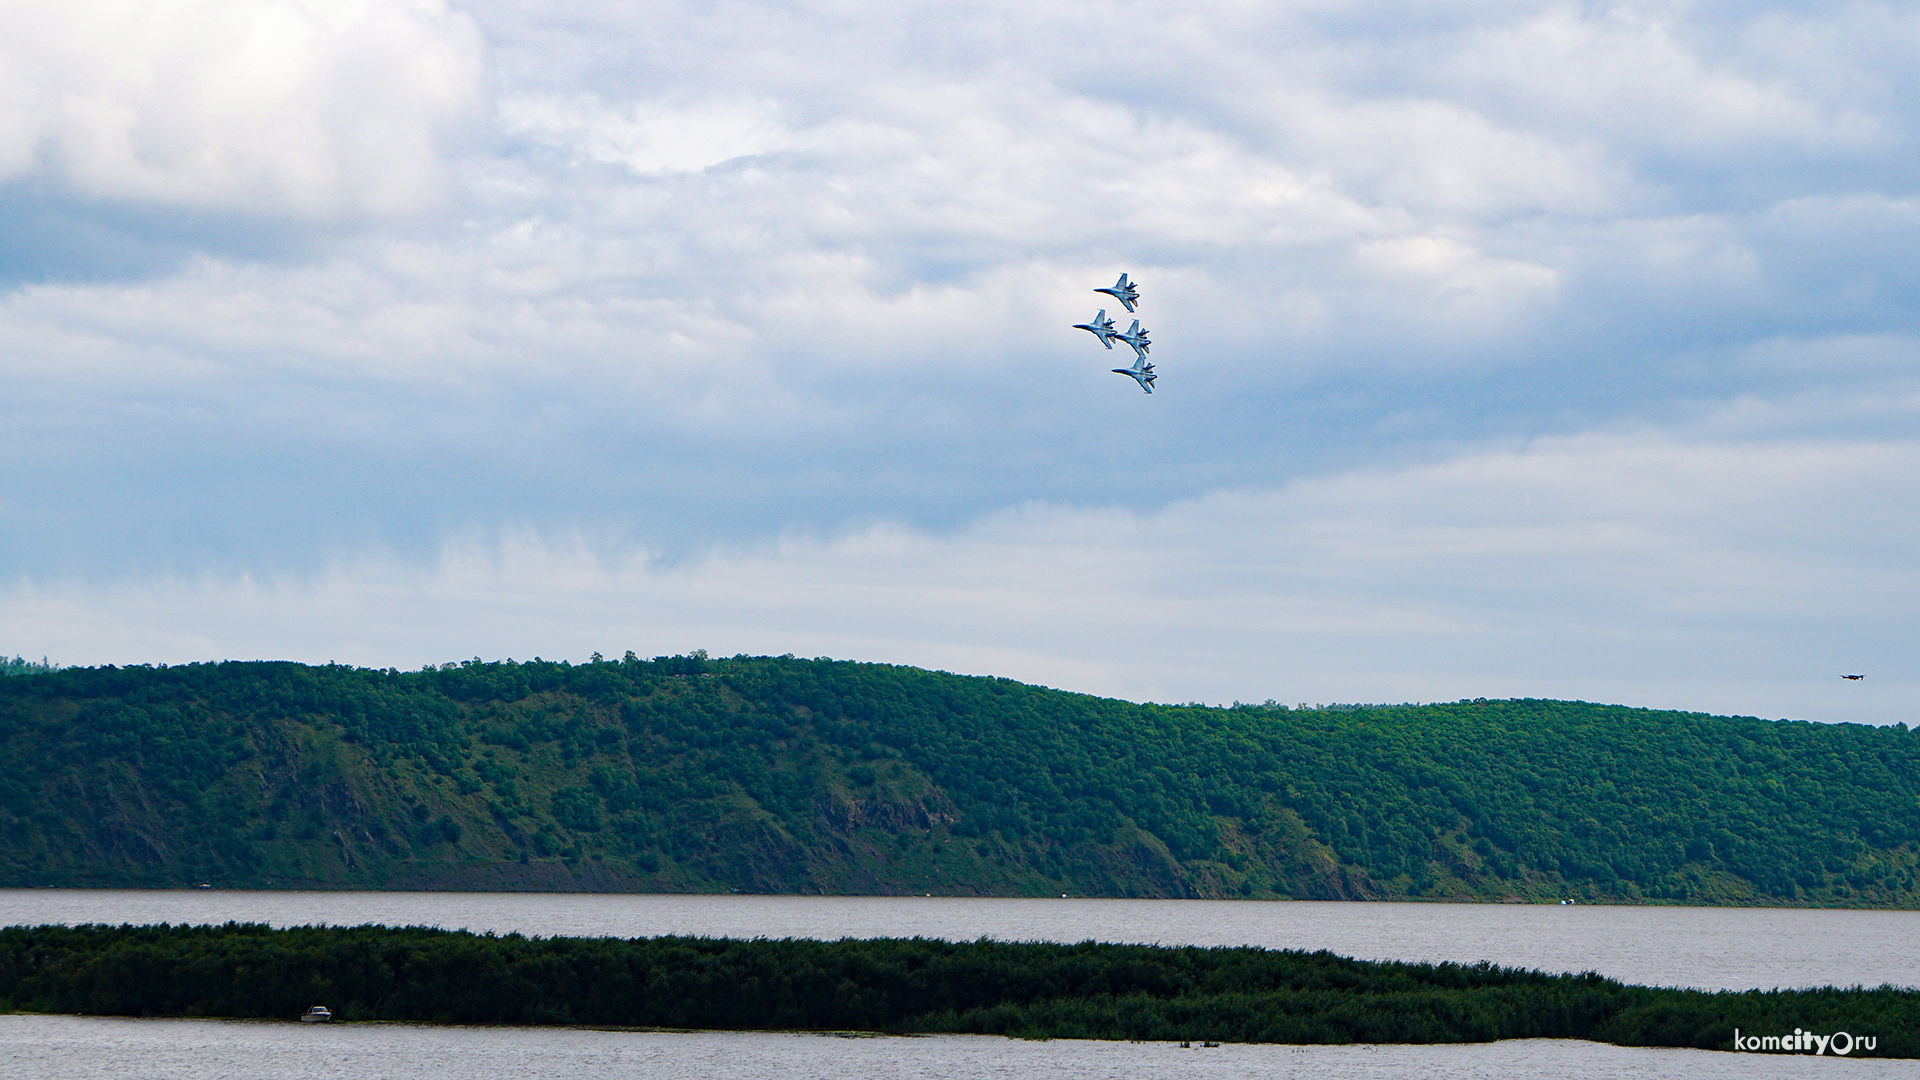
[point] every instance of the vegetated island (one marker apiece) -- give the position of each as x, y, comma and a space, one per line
784, 775
1085, 991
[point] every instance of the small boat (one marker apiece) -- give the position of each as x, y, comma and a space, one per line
319, 1014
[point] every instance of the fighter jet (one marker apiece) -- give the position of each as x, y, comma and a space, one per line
1122, 292
1137, 338
1100, 327
1853, 676
1141, 371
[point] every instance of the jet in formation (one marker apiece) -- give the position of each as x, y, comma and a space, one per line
1101, 327
1123, 292
1141, 371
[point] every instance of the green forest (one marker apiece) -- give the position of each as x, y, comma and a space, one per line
1028, 990
786, 775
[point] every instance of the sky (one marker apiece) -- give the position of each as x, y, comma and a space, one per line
1506, 349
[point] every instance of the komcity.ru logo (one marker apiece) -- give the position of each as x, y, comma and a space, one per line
1801, 1041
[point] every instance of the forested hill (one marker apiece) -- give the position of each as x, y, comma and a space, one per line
782, 775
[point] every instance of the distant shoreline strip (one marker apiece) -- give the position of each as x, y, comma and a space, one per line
921, 986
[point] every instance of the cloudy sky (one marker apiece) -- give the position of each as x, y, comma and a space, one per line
1506, 348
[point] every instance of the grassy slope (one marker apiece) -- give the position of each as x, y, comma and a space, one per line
765, 774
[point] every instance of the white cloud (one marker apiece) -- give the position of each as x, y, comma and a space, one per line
648, 137
723, 274
308, 107
1632, 72
1462, 285
1646, 567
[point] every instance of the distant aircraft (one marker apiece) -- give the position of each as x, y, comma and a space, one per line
1137, 338
1100, 327
1853, 676
1142, 373
1122, 292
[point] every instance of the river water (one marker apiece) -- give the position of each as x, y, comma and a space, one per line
102, 1048
1706, 948
1710, 948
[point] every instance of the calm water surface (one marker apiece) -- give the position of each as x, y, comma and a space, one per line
1709, 948
96, 1048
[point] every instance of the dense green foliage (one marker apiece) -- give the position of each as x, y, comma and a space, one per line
785, 775
1031, 990
19, 665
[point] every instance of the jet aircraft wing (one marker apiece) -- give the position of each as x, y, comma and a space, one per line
1141, 372
1123, 291
1100, 327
